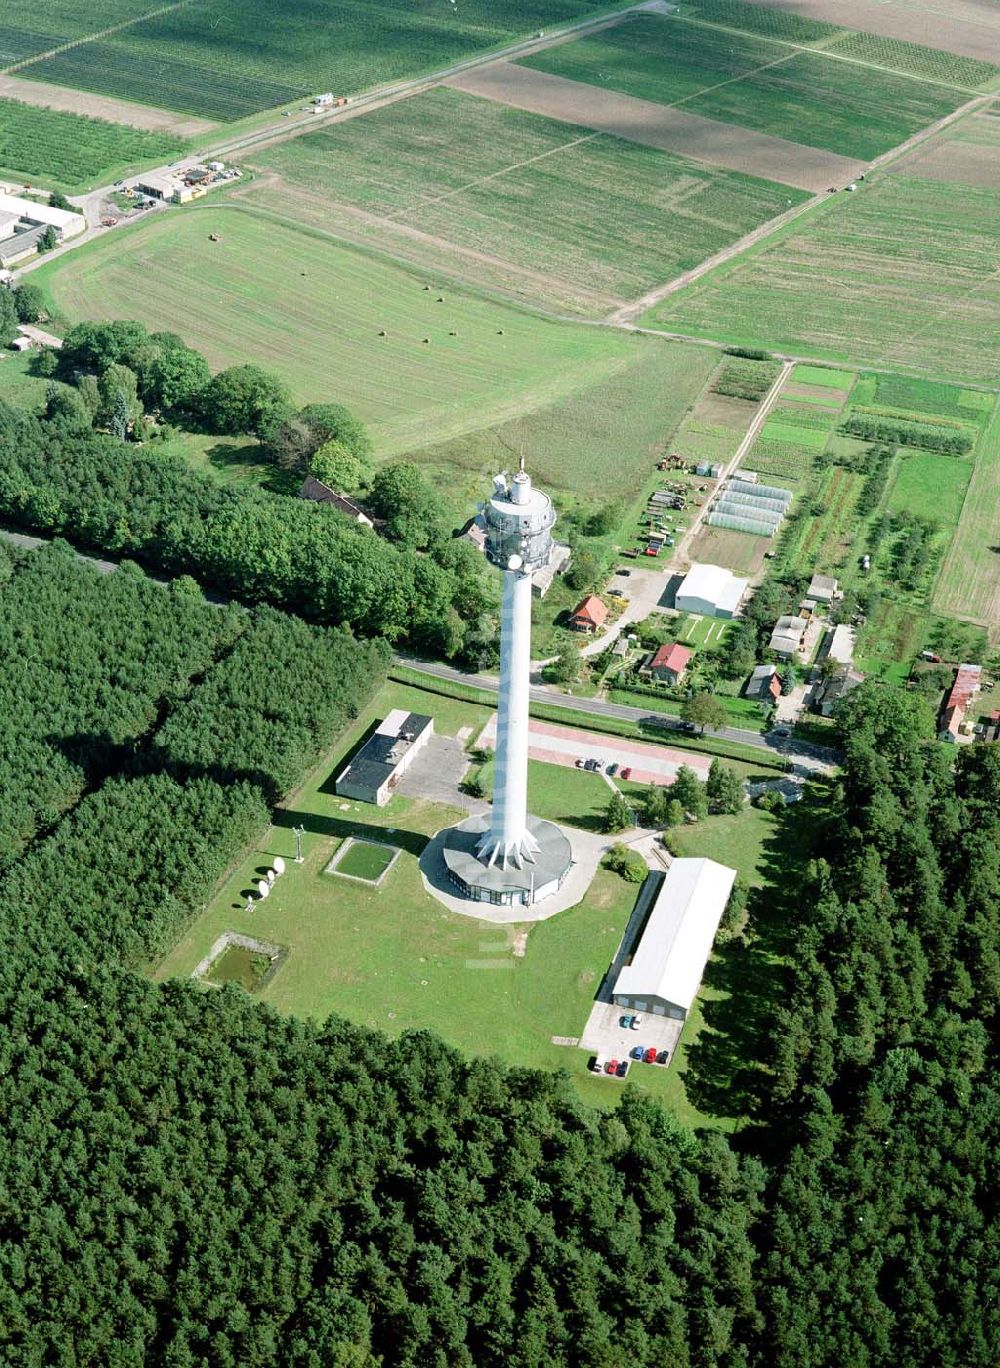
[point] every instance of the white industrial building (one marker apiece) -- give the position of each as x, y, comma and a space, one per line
23, 223
665, 972
377, 767
711, 590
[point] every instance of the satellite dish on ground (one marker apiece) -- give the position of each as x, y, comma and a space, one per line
271, 876
263, 889
279, 865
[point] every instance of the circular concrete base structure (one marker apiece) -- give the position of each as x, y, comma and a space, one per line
510, 887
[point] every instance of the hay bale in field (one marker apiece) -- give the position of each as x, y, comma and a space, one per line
382, 332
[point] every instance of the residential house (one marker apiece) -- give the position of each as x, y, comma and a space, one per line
318, 492
823, 587
831, 690
589, 615
967, 683
764, 684
667, 664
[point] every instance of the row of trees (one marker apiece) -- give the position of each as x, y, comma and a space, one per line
57, 478
118, 372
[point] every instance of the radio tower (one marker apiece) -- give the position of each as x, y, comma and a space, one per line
511, 858
518, 525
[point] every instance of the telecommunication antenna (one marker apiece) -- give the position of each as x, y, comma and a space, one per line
298, 832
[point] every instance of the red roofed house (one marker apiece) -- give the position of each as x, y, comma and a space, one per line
968, 681
589, 615
666, 665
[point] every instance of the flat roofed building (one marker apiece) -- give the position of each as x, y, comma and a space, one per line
710, 590
665, 972
68, 223
840, 646
377, 767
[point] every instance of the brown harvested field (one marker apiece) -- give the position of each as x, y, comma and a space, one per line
741, 552
969, 27
661, 126
102, 107
725, 409
966, 154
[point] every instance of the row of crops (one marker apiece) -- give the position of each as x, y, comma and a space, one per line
16, 44
71, 148
915, 60
224, 59
112, 68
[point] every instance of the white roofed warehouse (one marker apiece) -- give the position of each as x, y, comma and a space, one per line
710, 590
665, 971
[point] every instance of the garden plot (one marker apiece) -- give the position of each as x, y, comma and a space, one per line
656, 125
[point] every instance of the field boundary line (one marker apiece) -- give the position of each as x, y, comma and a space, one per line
952, 549
94, 37
822, 51
629, 312
494, 175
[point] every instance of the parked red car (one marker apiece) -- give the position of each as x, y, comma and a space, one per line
650, 1055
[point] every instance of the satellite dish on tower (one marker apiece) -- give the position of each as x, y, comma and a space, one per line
514, 563
279, 865
263, 889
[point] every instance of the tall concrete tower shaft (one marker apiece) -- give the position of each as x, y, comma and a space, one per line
519, 520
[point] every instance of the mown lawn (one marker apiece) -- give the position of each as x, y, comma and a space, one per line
312, 311
395, 959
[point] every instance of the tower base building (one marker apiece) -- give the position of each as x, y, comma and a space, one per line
511, 885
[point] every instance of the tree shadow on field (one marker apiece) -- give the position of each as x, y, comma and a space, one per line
413, 842
727, 1066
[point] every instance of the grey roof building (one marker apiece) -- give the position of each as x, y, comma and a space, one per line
377, 767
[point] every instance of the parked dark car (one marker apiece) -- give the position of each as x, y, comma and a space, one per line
622, 1068
612, 769
663, 1057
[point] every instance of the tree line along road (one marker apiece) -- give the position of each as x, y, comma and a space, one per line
802, 754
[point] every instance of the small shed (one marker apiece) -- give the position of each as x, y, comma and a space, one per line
823, 587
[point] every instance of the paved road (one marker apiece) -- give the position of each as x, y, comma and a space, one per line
282, 129
803, 755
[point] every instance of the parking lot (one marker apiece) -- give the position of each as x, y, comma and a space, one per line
557, 745
604, 1035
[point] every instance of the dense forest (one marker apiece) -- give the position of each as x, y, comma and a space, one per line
190, 1180
59, 476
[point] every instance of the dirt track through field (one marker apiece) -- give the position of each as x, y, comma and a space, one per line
102, 107
661, 126
970, 28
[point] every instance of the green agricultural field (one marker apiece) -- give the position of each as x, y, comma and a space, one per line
969, 583
931, 486
814, 417
26, 22
843, 107
788, 460
813, 439
226, 58
72, 151
904, 394
915, 60
907, 281
312, 311
601, 441
581, 216
772, 23
824, 377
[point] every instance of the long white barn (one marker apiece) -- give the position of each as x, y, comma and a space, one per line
665, 972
